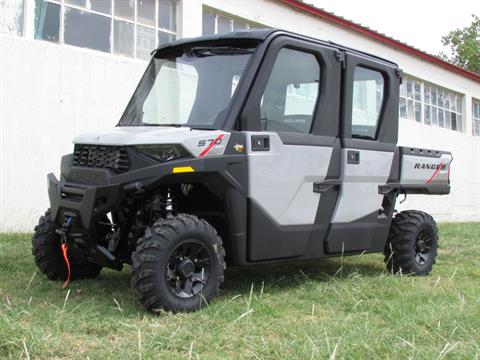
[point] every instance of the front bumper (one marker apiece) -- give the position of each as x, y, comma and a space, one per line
86, 204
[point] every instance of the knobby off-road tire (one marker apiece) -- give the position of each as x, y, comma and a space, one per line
46, 249
412, 243
178, 265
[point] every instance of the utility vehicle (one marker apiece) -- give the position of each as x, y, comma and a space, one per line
249, 147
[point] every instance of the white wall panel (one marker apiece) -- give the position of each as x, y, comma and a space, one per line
48, 95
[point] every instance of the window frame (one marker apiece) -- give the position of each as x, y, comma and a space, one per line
434, 108
232, 19
379, 116
475, 119
325, 120
387, 128
114, 18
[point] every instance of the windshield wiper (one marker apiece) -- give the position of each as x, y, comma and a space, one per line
216, 50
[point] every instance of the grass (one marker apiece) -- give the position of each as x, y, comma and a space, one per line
331, 308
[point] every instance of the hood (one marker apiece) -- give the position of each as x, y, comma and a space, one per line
193, 140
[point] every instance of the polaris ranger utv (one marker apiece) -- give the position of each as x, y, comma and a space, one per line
253, 146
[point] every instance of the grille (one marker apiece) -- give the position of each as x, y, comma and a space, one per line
114, 158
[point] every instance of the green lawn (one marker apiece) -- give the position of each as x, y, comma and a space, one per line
335, 308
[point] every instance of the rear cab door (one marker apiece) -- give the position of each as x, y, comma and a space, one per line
369, 130
291, 121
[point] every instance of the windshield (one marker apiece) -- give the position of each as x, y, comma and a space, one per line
192, 87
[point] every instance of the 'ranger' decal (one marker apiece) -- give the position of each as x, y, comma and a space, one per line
425, 166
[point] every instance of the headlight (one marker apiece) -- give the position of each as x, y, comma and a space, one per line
163, 153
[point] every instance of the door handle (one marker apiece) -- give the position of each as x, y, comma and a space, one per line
260, 142
353, 157
326, 185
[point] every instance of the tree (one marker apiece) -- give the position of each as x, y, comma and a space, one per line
464, 46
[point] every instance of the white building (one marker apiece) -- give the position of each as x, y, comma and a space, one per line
68, 66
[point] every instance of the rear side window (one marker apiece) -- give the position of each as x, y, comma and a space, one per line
368, 91
288, 103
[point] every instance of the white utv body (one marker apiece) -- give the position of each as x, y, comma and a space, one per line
248, 147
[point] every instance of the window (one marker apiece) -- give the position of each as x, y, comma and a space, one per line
476, 117
172, 95
214, 23
188, 87
368, 90
130, 28
289, 100
430, 104
12, 16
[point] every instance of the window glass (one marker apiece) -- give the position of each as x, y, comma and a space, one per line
167, 14
86, 29
80, 3
208, 23
223, 24
173, 100
291, 93
124, 27
366, 103
11, 17
427, 117
435, 116
239, 25
475, 117
145, 42
47, 21
174, 81
403, 108
164, 38
213, 23
418, 112
125, 9
146, 12
235, 80
430, 104
418, 88
441, 121
301, 98
123, 38
103, 6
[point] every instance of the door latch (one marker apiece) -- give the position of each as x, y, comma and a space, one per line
260, 142
353, 157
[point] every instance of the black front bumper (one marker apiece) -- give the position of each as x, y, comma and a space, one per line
86, 204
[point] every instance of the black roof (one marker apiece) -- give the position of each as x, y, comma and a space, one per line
261, 35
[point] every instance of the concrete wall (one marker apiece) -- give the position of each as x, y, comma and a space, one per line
50, 93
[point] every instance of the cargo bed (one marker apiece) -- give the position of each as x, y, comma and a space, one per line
419, 171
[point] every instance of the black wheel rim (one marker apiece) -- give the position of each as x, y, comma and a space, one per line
188, 269
423, 247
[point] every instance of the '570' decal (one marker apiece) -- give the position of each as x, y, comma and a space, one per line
211, 143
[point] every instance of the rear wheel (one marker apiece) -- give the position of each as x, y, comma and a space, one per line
46, 249
178, 265
412, 243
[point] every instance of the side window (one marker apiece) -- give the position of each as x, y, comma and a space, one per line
368, 90
288, 103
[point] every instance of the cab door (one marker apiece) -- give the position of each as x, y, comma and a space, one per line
362, 216
291, 120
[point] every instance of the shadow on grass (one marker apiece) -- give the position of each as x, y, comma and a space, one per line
277, 277
284, 275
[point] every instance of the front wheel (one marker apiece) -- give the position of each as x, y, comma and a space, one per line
46, 249
178, 265
412, 243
